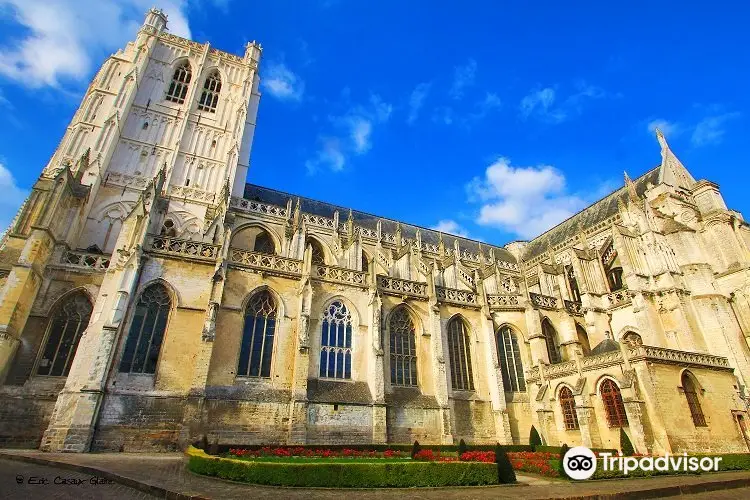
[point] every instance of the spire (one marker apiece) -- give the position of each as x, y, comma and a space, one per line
672, 171
632, 194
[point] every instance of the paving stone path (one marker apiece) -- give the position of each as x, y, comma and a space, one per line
168, 471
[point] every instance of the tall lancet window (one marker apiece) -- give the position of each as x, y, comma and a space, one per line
403, 349
257, 336
509, 356
146, 331
180, 81
459, 350
336, 342
210, 94
550, 338
63, 333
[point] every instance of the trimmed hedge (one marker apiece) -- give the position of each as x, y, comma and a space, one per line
345, 475
406, 448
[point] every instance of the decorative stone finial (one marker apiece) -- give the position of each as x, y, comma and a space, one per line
631, 187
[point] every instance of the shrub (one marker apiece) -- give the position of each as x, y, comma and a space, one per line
534, 438
415, 449
505, 472
625, 445
561, 470
462, 447
345, 475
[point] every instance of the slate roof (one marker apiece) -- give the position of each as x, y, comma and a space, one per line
326, 391
310, 206
410, 398
588, 217
606, 345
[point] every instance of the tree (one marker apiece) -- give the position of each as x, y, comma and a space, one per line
415, 449
462, 448
534, 438
625, 445
505, 472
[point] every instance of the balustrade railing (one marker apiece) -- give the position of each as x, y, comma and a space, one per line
398, 286
257, 207
192, 193
619, 298
455, 296
319, 220
85, 260
264, 261
500, 301
543, 301
340, 275
672, 356
183, 248
574, 307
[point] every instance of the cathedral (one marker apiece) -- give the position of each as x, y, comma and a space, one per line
150, 296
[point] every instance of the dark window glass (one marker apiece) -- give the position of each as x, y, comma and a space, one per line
257, 336
403, 349
509, 357
63, 334
459, 352
336, 342
146, 331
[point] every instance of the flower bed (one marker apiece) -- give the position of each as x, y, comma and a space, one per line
353, 472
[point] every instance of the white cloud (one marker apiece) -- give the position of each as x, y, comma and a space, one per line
416, 100
523, 200
62, 39
12, 197
711, 129
451, 227
546, 105
669, 129
463, 77
282, 83
353, 134
490, 102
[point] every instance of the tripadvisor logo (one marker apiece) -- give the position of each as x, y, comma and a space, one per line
580, 463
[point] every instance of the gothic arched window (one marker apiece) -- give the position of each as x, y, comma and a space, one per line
403, 348
632, 339
568, 406
550, 338
264, 243
583, 339
691, 394
168, 229
613, 405
365, 263
257, 336
63, 333
336, 342
318, 257
146, 331
179, 86
210, 94
509, 356
459, 350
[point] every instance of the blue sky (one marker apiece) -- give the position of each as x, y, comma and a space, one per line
491, 119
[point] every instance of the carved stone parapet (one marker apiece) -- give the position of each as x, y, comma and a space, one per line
575, 308
502, 301
85, 260
340, 275
601, 360
558, 370
620, 298
543, 301
455, 296
398, 286
674, 357
257, 207
183, 248
273, 264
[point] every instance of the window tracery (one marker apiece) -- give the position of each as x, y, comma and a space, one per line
210, 94
403, 348
509, 356
64, 331
568, 406
694, 404
336, 342
459, 350
146, 331
258, 334
178, 87
613, 405
550, 338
